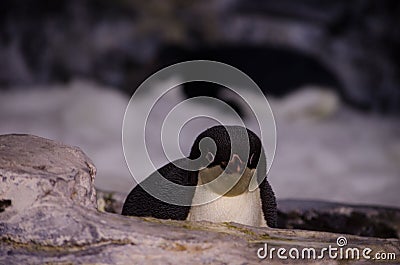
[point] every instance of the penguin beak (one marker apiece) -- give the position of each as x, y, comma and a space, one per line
235, 165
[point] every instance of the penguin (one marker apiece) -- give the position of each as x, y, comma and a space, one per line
219, 185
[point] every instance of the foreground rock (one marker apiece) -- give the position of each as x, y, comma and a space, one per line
119, 42
360, 220
48, 215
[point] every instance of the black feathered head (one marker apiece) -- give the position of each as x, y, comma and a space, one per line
234, 147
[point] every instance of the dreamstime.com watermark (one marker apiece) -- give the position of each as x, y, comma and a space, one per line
338, 251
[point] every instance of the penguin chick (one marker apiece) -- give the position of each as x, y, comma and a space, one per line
221, 182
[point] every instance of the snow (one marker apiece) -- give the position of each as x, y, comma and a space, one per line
325, 150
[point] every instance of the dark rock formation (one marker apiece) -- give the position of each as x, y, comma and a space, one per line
118, 42
359, 220
49, 216
277, 71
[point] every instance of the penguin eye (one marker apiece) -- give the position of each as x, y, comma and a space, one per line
223, 165
210, 156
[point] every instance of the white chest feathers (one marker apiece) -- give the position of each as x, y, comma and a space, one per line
244, 208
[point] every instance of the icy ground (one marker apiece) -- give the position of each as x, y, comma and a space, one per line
324, 151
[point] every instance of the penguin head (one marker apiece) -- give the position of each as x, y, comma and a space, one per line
231, 155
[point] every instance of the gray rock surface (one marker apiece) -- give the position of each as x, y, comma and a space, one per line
48, 215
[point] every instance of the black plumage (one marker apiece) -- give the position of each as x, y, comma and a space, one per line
140, 203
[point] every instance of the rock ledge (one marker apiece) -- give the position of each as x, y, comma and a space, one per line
48, 214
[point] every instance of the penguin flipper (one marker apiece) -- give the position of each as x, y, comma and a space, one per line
268, 202
140, 203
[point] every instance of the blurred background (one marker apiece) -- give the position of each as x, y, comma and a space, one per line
330, 71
